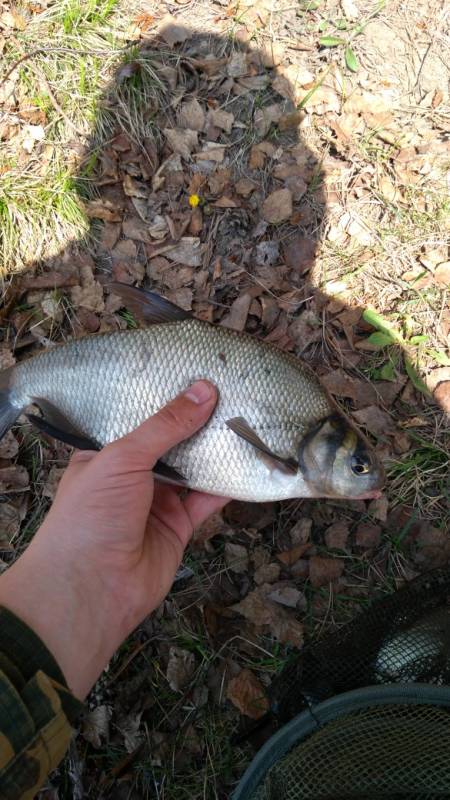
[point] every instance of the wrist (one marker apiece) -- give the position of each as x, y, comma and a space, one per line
69, 612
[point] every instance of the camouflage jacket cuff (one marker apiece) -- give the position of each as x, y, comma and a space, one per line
36, 710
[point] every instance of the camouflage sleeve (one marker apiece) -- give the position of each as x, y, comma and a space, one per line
36, 710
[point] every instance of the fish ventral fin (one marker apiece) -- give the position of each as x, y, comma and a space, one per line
148, 307
55, 424
166, 474
241, 428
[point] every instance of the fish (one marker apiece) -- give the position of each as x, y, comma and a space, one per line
275, 433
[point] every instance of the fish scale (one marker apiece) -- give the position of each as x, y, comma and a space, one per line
107, 384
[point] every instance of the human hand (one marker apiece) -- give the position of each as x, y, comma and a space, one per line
107, 552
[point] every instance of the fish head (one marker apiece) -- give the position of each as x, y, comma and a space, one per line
337, 461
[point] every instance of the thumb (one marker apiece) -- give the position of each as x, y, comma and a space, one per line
178, 420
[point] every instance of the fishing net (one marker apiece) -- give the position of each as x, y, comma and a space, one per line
374, 703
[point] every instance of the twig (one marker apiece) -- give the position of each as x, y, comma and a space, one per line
55, 103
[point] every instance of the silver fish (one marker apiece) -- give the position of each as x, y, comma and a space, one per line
275, 432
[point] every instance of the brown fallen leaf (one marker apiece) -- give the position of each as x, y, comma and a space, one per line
368, 535
9, 446
14, 478
267, 573
181, 140
52, 482
245, 187
289, 557
211, 151
324, 570
10, 519
172, 31
95, 725
277, 206
236, 557
287, 629
221, 119
378, 422
103, 209
378, 508
187, 251
237, 316
180, 668
442, 274
442, 395
135, 228
134, 188
287, 596
192, 115
248, 695
266, 116
237, 65
214, 526
336, 536
300, 253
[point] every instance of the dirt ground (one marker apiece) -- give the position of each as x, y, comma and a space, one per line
277, 167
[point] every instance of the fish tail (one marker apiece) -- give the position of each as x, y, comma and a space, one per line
8, 410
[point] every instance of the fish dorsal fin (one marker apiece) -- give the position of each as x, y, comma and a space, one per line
55, 424
147, 306
241, 428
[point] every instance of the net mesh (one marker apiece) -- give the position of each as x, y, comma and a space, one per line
379, 751
392, 752
402, 638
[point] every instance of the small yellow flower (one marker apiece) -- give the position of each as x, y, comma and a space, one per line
194, 200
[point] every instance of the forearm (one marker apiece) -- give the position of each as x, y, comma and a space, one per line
66, 607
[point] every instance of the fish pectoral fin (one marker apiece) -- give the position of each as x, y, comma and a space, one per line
166, 474
55, 424
148, 307
241, 427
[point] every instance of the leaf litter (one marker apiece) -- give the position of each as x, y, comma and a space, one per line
262, 197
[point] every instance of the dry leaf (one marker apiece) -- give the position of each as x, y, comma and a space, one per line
350, 9
103, 209
264, 117
192, 115
289, 557
247, 694
267, 573
14, 478
442, 273
10, 519
442, 396
368, 535
135, 228
9, 446
172, 31
180, 668
211, 152
324, 570
336, 535
181, 140
287, 596
300, 253
237, 65
237, 316
378, 508
221, 119
187, 251
245, 187
134, 188
95, 725
376, 421
236, 557
277, 207
90, 293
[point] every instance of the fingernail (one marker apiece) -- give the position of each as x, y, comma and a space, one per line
200, 392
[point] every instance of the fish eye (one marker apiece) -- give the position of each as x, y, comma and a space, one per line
360, 466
